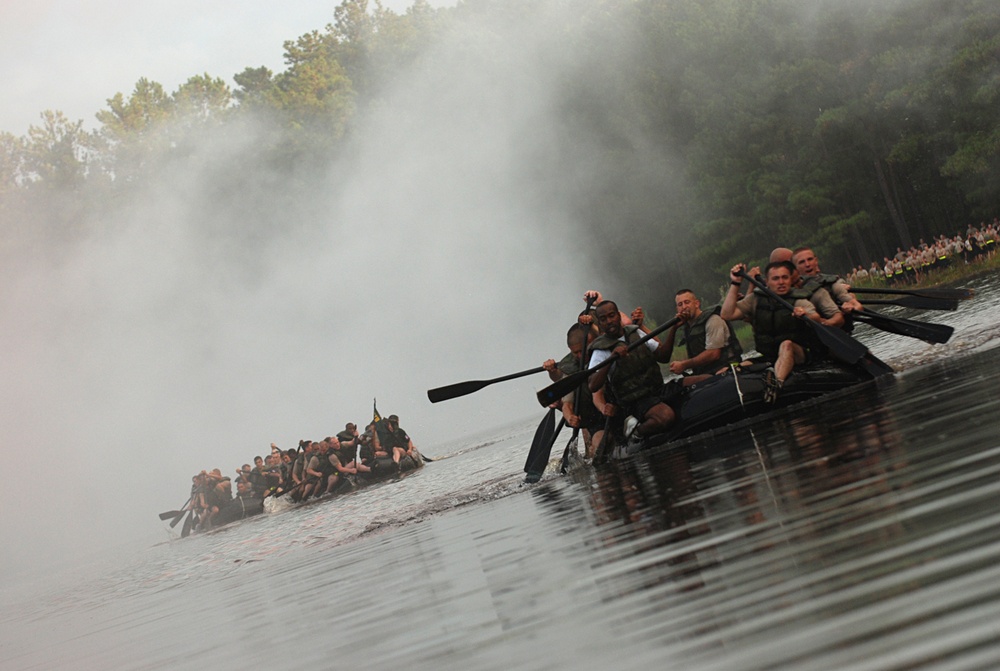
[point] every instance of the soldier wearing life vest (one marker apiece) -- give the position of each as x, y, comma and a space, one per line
812, 279
779, 334
395, 441
578, 406
710, 340
634, 381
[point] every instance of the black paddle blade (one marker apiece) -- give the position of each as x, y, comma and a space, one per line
944, 294
543, 435
173, 522
188, 523
455, 390
937, 334
918, 303
841, 345
954, 294
560, 388
537, 462
463, 388
170, 513
875, 366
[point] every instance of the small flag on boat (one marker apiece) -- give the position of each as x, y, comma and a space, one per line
375, 416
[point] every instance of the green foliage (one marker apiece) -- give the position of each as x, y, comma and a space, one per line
718, 129
55, 152
202, 100
314, 94
11, 160
256, 88
133, 131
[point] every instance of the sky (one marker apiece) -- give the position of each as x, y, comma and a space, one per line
195, 325
72, 56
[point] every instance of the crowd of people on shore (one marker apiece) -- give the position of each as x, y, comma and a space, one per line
912, 265
313, 469
790, 290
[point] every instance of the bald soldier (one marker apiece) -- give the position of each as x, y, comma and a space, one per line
710, 340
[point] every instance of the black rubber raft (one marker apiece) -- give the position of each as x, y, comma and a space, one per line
241, 508
732, 398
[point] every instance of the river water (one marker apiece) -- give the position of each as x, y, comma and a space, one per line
859, 532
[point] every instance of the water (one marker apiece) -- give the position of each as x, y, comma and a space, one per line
859, 532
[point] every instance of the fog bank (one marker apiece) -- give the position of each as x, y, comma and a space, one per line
198, 326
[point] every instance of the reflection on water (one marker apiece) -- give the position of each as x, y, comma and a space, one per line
867, 541
976, 324
860, 531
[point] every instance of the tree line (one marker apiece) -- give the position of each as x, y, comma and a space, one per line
852, 126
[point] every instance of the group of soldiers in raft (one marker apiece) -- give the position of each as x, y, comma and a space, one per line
912, 265
315, 469
634, 387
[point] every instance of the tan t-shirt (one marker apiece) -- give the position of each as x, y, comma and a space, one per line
716, 333
838, 291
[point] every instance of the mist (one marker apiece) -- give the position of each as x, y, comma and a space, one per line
199, 325
233, 297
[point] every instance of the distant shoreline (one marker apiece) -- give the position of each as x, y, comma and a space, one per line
952, 274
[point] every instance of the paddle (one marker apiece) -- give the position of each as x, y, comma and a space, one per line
577, 403
540, 444
174, 513
546, 426
841, 345
945, 294
926, 331
472, 386
560, 388
180, 514
541, 460
188, 523
463, 388
875, 366
918, 303
599, 456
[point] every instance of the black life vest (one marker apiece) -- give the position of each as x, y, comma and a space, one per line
584, 405
326, 466
389, 438
694, 341
773, 323
635, 376
811, 285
